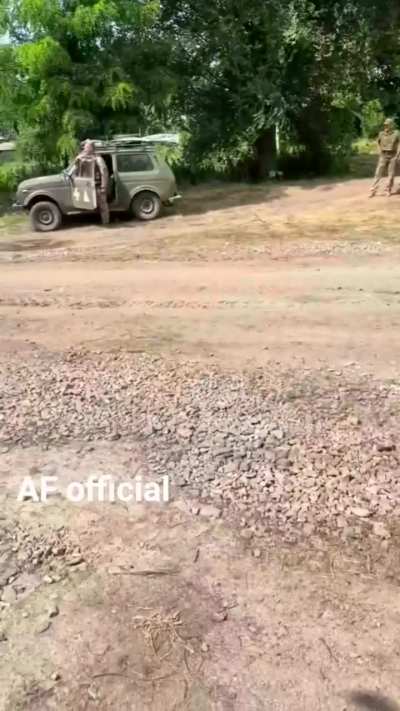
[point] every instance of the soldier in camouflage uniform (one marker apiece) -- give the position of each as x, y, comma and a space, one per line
101, 179
389, 146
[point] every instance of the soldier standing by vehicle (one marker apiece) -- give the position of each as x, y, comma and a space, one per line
101, 178
389, 146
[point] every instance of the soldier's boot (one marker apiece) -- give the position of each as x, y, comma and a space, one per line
374, 187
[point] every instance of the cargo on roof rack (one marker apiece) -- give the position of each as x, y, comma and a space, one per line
113, 146
140, 143
156, 138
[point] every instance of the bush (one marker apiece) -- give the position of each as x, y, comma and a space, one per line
365, 147
372, 118
11, 175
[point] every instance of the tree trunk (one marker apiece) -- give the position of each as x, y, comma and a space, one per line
264, 160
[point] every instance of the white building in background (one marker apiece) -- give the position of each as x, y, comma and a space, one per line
7, 151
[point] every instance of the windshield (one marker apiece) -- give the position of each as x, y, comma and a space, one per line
70, 169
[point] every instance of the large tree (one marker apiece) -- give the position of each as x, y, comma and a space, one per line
227, 56
245, 68
81, 67
226, 72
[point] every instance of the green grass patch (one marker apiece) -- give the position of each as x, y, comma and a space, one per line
10, 222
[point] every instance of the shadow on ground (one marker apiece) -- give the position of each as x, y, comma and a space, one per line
207, 198
373, 701
222, 196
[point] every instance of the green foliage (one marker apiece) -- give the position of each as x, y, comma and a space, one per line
12, 173
224, 73
372, 118
365, 147
246, 69
35, 146
227, 59
120, 95
42, 59
73, 70
8, 73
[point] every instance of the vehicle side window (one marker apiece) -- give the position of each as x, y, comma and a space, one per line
134, 163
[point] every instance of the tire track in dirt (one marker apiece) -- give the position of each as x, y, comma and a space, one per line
117, 303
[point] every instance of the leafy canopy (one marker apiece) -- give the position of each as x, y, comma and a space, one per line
73, 69
226, 73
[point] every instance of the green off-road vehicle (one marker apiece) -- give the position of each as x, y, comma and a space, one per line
140, 183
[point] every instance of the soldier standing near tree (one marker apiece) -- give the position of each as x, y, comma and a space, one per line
389, 146
101, 178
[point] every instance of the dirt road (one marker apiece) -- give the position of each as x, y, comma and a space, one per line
248, 346
308, 309
244, 274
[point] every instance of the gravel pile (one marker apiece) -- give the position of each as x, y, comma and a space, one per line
294, 451
23, 552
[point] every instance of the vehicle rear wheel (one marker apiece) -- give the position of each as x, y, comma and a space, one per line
146, 205
45, 216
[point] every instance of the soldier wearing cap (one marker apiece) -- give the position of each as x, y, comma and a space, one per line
389, 147
101, 178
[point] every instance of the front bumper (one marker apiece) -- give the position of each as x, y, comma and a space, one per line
18, 206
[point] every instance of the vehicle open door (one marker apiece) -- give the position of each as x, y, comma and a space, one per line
83, 186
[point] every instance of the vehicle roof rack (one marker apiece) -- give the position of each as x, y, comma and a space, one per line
141, 143
112, 146
156, 138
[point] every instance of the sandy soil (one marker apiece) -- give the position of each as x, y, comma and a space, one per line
165, 609
316, 310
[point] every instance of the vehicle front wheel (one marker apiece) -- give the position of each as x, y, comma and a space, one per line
45, 216
146, 205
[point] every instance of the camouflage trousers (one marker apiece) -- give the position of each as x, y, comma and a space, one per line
387, 163
102, 205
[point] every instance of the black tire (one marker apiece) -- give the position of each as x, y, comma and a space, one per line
146, 205
45, 216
